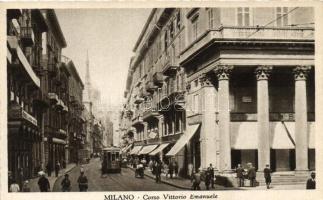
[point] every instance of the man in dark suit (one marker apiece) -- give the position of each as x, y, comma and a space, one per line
240, 177
252, 175
311, 183
267, 175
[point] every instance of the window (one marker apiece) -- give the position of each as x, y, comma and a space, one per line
166, 40
196, 103
178, 19
195, 27
243, 16
211, 18
281, 16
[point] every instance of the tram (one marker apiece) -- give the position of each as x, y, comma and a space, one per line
111, 160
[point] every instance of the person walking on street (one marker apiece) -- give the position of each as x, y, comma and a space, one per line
14, 187
57, 168
311, 182
267, 175
171, 169
176, 168
207, 179
43, 183
240, 175
158, 170
66, 184
196, 179
25, 187
211, 170
83, 182
252, 175
49, 168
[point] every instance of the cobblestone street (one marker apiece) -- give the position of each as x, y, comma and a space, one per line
112, 182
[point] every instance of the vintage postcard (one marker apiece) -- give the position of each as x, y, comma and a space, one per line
161, 100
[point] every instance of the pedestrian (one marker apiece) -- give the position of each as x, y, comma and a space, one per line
14, 187
66, 184
211, 170
207, 179
240, 175
64, 164
190, 170
10, 179
158, 171
176, 168
267, 175
43, 183
171, 169
165, 169
144, 162
25, 187
57, 168
252, 175
49, 168
21, 177
311, 182
83, 182
196, 179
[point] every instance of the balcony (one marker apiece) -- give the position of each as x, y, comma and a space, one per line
61, 133
41, 99
158, 79
137, 119
150, 87
170, 66
27, 36
16, 113
138, 100
60, 104
253, 35
237, 116
53, 97
152, 112
52, 69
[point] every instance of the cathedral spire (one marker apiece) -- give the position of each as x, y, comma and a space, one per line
87, 88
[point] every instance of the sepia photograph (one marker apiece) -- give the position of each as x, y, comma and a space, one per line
160, 99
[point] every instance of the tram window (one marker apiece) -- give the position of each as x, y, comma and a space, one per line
109, 156
113, 157
117, 154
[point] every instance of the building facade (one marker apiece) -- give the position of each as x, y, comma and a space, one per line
224, 86
26, 97
39, 92
76, 124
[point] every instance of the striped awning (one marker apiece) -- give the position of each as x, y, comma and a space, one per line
135, 150
159, 149
147, 149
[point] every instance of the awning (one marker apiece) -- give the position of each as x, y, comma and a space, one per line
159, 149
125, 149
282, 137
190, 131
244, 135
147, 149
135, 150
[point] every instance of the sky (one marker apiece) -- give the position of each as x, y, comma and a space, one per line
109, 35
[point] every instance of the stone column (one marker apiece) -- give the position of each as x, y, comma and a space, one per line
145, 133
223, 73
160, 126
301, 134
208, 129
262, 74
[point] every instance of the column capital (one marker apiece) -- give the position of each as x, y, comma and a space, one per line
263, 72
301, 72
223, 72
205, 80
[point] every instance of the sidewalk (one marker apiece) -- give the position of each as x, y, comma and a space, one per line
33, 183
182, 183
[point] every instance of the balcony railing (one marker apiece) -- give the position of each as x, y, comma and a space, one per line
150, 87
249, 34
151, 112
170, 65
41, 99
158, 79
243, 116
27, 36
53, 97
17, 113
52, 69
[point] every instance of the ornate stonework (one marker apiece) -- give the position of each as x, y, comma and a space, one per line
301, 72
263, 72
204, 80
188, 86
223, 72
